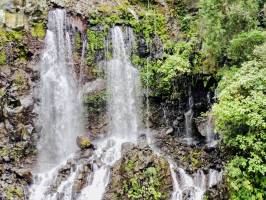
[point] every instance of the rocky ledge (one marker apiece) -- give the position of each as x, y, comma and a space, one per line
139, 174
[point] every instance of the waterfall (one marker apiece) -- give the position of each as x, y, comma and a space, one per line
61, 106
122, 83
189, 118
123, 88
60, 109
211, 141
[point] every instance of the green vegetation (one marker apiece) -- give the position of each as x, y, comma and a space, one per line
143, 186
2, 57
241, 46
240, 118
20, 80
15, 153
14, 192
219, 21
96, 102
96, 39
220, 39
194, 158
13, 39
38, 30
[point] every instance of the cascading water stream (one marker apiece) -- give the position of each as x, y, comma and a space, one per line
60, 110
188, 118
123, 88
189, 187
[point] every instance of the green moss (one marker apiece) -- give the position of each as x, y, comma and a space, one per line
20, 80
78, 41
129, 165
3, 57
14, 192
38, 30
13, 39
2, 92
4, 152
14, 153
194, 158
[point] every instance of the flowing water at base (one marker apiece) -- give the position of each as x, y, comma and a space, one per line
185, 186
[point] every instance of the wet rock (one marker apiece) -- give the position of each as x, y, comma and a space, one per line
188, 194
170, 131
127, 147
157, 47
87, 153
84, 142
219, 191
6, 159
94, 86
206, 126
25, 174
142, 141
11, 112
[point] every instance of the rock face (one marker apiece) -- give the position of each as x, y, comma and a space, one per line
140, 174
190, 157
206, 126
17, 130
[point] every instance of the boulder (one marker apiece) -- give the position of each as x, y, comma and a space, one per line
170, 131
205, 126
84, 143
141, 170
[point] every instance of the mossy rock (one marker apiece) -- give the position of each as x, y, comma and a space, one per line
14, 193
38, 30
84, 143
140, 174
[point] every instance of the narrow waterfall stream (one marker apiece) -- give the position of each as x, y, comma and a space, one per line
188, 118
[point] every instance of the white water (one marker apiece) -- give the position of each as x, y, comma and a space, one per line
60, 108
123, 86
123, 109
210, 133
185, 186
60, 111
188, 119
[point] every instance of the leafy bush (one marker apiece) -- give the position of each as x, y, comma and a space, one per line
242, 45
220, 20
241, 119
144, 188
